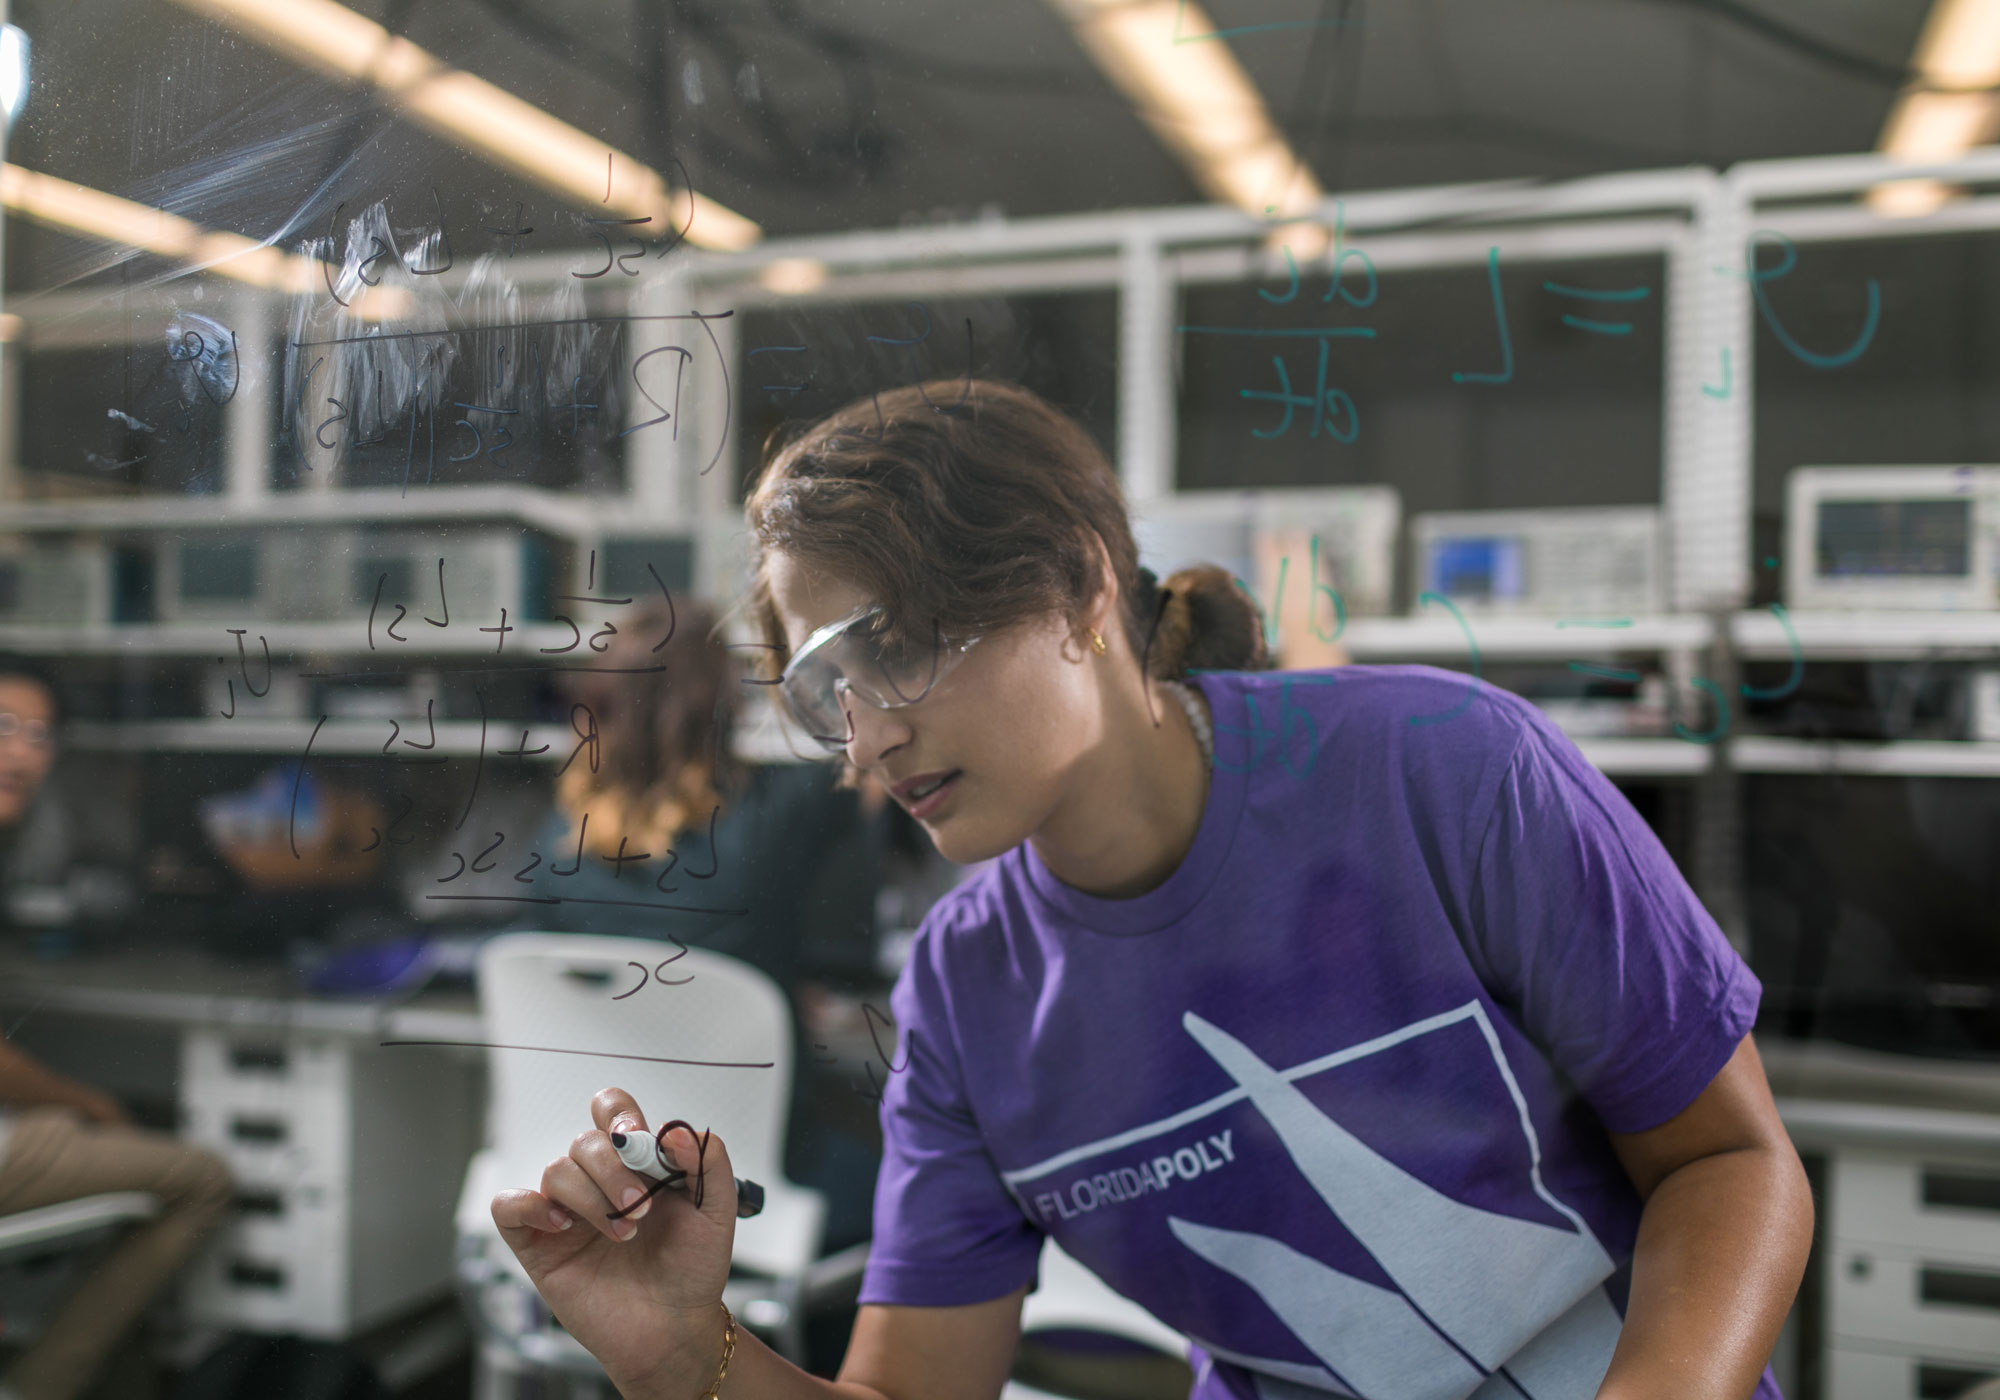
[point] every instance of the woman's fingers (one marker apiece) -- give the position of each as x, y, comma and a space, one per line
592, 1184
517, 1209
629, 1193
706, 1161
608, 1106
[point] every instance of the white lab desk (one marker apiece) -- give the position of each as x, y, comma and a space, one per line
348, 1154
1909, 1215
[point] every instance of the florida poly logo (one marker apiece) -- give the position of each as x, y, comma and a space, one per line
1485, 1305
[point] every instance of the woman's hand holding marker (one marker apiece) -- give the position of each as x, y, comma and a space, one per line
633, 1271
645, 1154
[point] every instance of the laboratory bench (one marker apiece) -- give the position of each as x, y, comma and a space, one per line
1903, 1299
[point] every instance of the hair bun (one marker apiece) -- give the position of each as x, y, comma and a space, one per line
1207, 623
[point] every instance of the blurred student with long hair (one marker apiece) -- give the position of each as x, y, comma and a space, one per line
668, 806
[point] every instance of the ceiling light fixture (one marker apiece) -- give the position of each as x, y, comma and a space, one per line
793, 277
1958, 49
110, 218
1186, 84
486, 120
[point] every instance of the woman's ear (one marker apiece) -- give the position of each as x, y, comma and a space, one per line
1102, 613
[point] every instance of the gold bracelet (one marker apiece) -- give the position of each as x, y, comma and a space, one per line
714, 1392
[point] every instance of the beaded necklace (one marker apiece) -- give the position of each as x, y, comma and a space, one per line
1197, 721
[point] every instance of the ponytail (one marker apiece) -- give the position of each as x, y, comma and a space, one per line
1199, 620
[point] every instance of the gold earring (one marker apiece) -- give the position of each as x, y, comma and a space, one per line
1097, 641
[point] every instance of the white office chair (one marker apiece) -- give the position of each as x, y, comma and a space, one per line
569, 992
1070, 1298
45, 1252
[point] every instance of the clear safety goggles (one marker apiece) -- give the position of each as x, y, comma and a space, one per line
858, 656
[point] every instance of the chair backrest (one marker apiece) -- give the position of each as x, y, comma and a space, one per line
1069, 1297
76, 1219
46, 1252
605, 1011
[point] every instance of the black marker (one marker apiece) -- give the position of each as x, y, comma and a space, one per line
641, 1152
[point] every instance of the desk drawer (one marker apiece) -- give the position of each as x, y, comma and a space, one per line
218, 1057
1936, 1304
303, 1222
272, 1144
1916, 1203
249, 1280
1861, 1374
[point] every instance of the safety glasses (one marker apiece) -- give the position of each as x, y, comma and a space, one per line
32, 732
860, 655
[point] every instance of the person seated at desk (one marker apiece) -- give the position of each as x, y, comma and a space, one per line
61, 1140
658, 820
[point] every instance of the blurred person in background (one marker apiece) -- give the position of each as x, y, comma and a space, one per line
668, 806
61, 1139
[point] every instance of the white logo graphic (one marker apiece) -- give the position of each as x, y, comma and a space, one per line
1486, 1305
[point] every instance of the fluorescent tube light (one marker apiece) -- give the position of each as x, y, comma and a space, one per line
1197, 99
110, 218
486, 120
1959, 48
793, 277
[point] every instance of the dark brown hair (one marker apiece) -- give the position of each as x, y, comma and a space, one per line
664, 757
968, 506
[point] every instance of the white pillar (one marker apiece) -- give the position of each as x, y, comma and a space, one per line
722, 551
10, 359
656, 493
13, 332
1707, 493
248, 420
1706, 458
1146, 426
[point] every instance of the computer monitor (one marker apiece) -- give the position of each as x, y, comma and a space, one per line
245, 575
1479, 568
1587, 561
57, 583
1892, 537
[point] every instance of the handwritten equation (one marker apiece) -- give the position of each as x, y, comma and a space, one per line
1305, 395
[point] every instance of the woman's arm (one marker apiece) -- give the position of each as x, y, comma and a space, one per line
958, 1353
642, 1291
1722, 1243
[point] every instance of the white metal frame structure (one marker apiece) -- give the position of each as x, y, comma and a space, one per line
1697, 220
1146, 256
1878, 1235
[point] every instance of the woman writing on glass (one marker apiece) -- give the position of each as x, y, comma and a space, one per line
1348, 1021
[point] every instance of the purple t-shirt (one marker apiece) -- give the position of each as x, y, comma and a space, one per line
1331, 1101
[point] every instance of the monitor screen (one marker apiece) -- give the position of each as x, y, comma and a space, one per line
1895, 539
1483, 568
219, 570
